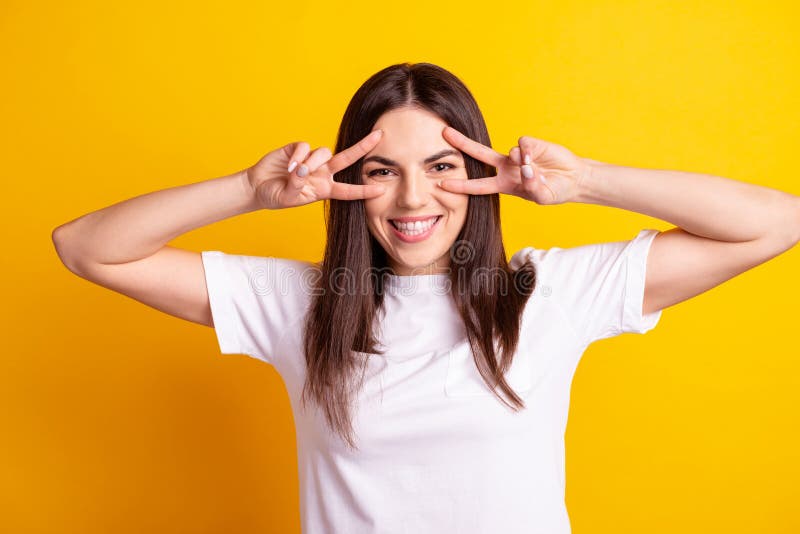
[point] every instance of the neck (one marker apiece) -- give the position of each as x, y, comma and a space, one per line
437, 267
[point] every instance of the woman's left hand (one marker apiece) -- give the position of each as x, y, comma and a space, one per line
556, 174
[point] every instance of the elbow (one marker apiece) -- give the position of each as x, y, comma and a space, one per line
793, 222
787, 227
61, 244
57, 236
796, 221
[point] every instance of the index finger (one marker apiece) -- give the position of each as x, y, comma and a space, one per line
343, 191
473, 186
350, 155
477, 150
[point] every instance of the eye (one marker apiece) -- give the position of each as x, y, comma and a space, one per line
449, 166
375, 172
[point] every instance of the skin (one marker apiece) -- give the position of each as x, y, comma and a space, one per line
407, 185
723, 227
410, 136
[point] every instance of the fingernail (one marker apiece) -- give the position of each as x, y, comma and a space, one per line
292, 165
302, 171
527, 159
527, 171
544, 180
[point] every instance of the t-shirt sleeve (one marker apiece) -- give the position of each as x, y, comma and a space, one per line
255, 301
600, 286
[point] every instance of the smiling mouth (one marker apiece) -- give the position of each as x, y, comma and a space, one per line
417, 227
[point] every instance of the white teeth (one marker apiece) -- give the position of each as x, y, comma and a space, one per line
416, 227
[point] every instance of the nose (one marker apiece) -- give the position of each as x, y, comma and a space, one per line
414, 191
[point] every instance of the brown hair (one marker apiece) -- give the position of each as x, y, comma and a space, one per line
339, 322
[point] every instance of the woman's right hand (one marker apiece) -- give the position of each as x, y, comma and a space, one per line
276, 185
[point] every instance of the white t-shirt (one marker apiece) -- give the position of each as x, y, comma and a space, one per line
438, 451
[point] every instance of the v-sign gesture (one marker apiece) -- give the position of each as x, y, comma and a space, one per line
536, 170
275, 186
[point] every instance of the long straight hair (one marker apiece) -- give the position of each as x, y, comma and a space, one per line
339, 321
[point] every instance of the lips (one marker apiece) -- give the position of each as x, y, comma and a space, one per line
415, 218
417, 235
422, 218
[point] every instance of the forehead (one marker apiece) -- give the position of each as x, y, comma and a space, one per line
410, 133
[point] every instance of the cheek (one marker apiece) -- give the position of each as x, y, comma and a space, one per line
377, 207
458, 208
374, 210
373, 207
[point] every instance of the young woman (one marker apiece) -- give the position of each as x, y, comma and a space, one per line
429, 376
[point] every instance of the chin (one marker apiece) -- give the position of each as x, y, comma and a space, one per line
418, 261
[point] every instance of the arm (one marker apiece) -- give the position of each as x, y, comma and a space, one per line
123, 246
724, 227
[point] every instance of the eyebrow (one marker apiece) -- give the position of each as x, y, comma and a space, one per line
429, 159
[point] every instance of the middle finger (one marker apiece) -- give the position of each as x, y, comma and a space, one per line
477, 150
350, 155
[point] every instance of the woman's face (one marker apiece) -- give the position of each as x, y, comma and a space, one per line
410, 157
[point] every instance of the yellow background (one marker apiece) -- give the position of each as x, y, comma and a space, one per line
118, 418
